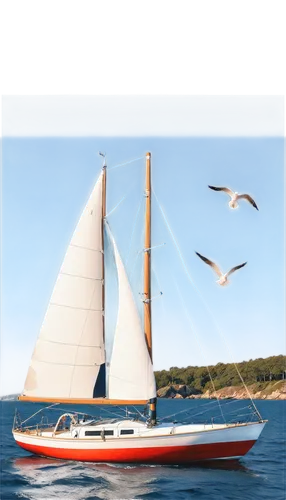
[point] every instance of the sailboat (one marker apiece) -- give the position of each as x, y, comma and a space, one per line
70, 364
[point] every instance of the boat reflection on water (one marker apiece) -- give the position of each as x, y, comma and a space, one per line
49, 478
31, 464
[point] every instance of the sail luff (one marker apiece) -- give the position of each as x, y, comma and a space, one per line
103, 243
100, 387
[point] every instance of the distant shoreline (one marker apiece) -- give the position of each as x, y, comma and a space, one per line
260, 390
9, 397
264, 378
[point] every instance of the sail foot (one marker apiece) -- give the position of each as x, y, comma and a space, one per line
83, 401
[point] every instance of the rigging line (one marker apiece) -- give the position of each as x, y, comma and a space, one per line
240, 409
108, 281
133, 229
206, 411
125, 163
139, 412
159, 287
200, 347
141, 276
116, 206
233, 400
108, 285
134, 264
204, 302
94, 417
108, 231
135, 260
209, 404
140, 283
67, 410
242, 419
192, 412
110, 413
188, 411
46, 408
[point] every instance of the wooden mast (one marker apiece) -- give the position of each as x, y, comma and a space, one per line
147, 280
147, 258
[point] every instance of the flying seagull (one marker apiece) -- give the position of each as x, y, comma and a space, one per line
223, 278
235, 196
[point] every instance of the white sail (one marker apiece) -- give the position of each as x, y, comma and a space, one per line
70, 350
131, 372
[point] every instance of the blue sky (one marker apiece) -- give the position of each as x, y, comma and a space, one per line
46, 182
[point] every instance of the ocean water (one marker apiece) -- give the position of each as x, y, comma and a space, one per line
259, 475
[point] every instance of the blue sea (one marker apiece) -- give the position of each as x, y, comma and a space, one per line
259, 475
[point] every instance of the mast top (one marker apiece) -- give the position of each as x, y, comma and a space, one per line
101, 153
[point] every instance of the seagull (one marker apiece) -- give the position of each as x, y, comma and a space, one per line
235, 196
222, 277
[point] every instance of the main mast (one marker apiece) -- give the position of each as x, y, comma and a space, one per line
147, 277
100, 386
103, 387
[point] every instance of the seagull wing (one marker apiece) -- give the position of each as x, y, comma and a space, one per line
210, 263
235, 268
226, 190
248, 198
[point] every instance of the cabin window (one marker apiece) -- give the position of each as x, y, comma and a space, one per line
98, 433
126, 431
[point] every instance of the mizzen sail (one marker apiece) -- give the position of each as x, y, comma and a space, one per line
131, 372
69, 352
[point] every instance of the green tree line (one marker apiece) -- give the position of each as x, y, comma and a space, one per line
224, 375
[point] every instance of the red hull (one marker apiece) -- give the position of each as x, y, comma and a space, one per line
156, 455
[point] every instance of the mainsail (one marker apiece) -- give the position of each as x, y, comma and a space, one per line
69, 351
131, 370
